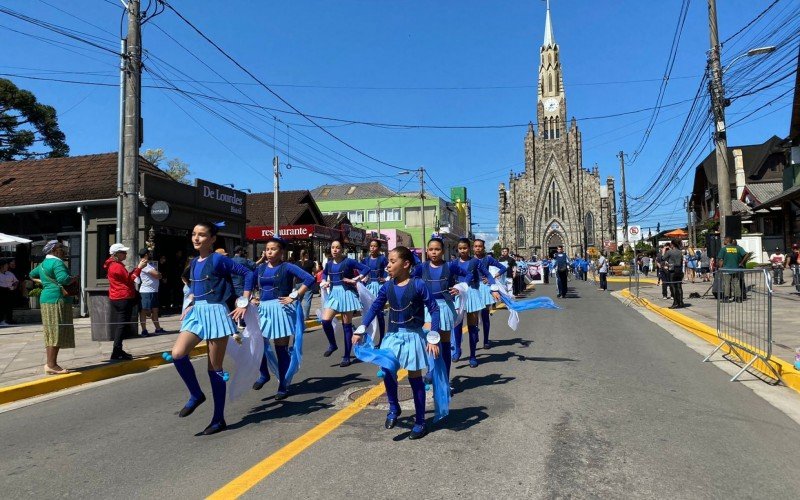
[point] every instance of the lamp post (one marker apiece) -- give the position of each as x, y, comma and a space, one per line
718, 105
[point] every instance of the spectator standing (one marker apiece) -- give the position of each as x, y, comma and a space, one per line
311, 267
731, 257
793, 262
8, 287
240, 257
778, 261
662, 270
646, 265
674, 258
705, 264
561, 265
122, 294
59, 331
511, 270
602, 270
149, 282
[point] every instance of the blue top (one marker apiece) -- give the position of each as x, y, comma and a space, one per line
344, 269
237, 280
278, 281
406, 306
473, 271
439, 280
561, 261
377, 266
489, 260
210, 279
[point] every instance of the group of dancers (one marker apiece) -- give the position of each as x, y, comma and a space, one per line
433, 292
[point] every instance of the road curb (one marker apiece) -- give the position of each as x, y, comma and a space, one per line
790, 375
54, 383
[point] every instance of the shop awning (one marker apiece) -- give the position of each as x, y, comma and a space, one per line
7, 239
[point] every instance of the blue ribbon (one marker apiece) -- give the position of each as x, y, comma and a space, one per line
528, 304
297, 348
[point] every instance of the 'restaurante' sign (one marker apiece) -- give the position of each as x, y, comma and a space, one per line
303, 232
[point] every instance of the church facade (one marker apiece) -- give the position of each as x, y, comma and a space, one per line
555, 201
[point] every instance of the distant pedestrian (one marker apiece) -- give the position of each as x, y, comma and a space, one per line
240, 257
674, 258
602, 270
8, 286
561, 265
59, 331
311, 267
705, 264
148, 294
511, 271
122, 294
646, 265
778, 262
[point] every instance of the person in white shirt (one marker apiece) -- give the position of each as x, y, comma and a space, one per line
148, 291
602, 269
778, 262
8, 284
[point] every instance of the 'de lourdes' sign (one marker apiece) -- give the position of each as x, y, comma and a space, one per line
220, 198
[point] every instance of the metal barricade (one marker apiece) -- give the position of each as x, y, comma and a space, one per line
744, 316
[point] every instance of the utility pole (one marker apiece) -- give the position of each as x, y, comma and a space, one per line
422, 209
275, 192
121, 150
718, 103
621, 157
133, 94
688, 220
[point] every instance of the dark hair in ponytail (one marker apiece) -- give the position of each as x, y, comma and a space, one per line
464, 240
376, 240
437, 240
212, 228
404, 254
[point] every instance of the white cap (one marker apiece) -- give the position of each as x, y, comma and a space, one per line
117, 247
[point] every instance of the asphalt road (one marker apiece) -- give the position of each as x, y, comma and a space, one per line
589, 401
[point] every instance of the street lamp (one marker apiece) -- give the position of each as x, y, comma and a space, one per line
718, 105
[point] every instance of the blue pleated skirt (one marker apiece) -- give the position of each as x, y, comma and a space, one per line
474, 301
342, 300
408, 346
447, 314
374, 287
486, 294
275, 319
208, 321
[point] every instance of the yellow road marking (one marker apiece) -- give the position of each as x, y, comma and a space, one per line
264, 468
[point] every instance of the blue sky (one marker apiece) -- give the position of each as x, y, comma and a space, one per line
448, 62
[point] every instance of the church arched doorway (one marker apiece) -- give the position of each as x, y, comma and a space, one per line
553, 241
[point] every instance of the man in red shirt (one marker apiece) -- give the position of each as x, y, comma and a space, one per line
122, 294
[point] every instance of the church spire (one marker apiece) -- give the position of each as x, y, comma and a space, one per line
549, 38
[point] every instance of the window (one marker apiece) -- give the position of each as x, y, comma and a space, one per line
372, 216
386, 214
355, 216
105, 238
520, 232
325, 192
413, 218
351, 190
589, 222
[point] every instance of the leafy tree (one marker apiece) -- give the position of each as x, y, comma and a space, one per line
496, 249
177, 169
26, 123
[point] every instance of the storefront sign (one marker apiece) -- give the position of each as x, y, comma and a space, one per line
159, 211
220, 198
259, 233
353, 235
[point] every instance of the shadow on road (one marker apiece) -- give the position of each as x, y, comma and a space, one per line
281, 409
461, 419
510, 342
461, 383
318, 385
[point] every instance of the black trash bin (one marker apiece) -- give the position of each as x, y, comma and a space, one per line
100, 312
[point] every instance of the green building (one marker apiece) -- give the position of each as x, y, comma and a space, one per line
374, 207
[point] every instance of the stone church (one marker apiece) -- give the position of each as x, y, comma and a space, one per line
555, 201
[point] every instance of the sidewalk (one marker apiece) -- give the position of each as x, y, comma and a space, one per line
785, 326
22, 353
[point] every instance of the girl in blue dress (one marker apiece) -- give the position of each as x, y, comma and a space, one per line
339, 277
474, 271
208, 318
406, 340
377, 263
440, 277
479, 250
279, 312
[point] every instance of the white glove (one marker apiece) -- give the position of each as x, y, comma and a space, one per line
361, 330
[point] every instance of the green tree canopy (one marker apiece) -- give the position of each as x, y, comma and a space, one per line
28, 128
497, 249
177, 169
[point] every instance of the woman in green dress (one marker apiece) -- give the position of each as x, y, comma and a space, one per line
59, 332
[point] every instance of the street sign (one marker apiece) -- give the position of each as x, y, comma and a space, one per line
634, 230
